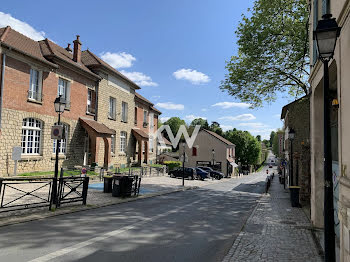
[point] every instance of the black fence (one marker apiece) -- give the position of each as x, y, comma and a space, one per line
23, 193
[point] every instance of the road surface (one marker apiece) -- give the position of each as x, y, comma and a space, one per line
194, 225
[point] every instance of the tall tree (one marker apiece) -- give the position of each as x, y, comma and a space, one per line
272, 53
215, 127
174, 124
272, 136
258, 137
201, 122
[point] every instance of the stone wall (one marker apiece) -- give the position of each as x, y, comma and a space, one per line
45, 161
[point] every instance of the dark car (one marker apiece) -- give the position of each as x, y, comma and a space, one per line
190, 172
201, 174
270, 166
213, 173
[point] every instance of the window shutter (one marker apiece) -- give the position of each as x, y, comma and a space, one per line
40, 86
68, 94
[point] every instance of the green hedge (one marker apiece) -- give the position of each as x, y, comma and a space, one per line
172, 164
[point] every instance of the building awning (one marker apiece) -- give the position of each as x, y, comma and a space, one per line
139, 134
96, 127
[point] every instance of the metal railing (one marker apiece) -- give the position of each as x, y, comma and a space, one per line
24, 193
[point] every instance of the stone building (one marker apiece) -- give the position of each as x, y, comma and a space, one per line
296, 115
99, 114
211, 149
145, 126
339, 79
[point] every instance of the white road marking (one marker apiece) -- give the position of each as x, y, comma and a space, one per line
102, 237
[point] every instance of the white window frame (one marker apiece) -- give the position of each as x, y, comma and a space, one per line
35, 89
89, 101
63, 89
112, 108
124, 112
123, 143
31, 136
63, 142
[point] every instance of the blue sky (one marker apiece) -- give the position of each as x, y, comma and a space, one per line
175, 50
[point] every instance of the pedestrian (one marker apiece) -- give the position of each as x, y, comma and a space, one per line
83, 172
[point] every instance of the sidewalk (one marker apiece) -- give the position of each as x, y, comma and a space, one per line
275, 231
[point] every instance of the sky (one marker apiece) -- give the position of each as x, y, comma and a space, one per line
174, 50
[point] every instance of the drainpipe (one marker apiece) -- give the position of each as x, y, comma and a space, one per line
2, 84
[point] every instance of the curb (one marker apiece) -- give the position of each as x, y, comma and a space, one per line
87, 207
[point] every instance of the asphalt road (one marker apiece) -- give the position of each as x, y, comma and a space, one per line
194, 225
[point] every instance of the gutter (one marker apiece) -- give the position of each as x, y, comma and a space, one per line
2, 84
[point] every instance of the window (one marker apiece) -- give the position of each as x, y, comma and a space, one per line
91, 101
194, 151
63, 142
124, 112
31, 136
113, 144
123, 141
150, 144
34, 92
145, 123
135, 120
112, 112
64, 90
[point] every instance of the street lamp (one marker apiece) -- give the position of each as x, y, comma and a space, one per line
60, 105
183, 163
326, 34
291, 135
213, 157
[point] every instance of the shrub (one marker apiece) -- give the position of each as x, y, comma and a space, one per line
172, 164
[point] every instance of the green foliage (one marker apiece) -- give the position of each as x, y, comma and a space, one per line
201, 122
172, 164
266, 142
248, 148
215, 127
272, 53
174, 124
272, 137
258, 137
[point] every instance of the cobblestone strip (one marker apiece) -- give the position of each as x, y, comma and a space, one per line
275, 232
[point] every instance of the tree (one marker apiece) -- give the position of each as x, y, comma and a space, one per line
247, 149
275, 148
174, 124
215, 127
266, 142
272, 53
258, 137
201, 122
272, 136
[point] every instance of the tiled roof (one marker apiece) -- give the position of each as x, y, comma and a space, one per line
23, 44
156, 110
219, 137
89, 59
140, 97
50, 49
139, 132
98, 127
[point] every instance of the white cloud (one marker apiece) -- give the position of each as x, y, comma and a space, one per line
191, 75
170, 106
226, 105
243, 117
164, 119
254, 125
226, 127
155, 97
20, 26
139, 78
193, 117
204, 110
118, 60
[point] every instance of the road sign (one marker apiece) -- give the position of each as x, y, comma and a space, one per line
16, 153
57, 132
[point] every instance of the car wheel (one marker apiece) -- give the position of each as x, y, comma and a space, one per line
172, 175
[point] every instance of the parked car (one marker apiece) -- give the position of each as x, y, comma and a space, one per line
190, 172
201, 174
270, 166
213, 173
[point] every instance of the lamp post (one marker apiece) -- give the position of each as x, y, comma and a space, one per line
326, 34
183, 163
291, 135
60, 105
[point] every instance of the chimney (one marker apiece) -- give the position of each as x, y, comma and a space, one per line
77, 50
68, 48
